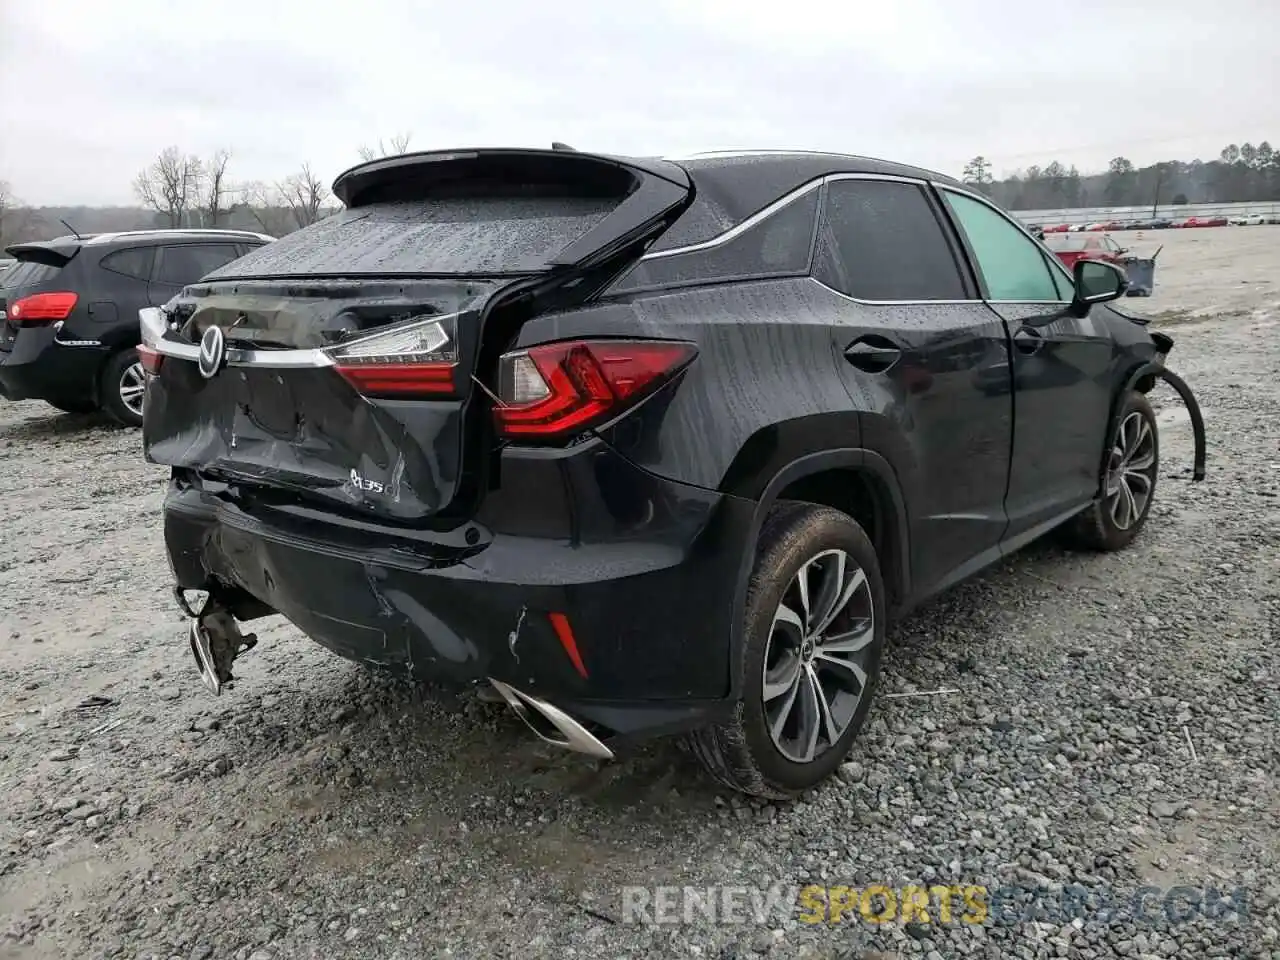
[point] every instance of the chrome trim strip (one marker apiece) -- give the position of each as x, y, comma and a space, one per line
236, 357
764, 213
576, 736
890, 303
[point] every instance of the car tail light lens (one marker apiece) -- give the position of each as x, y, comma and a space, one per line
417, 358
561, 388
42, 308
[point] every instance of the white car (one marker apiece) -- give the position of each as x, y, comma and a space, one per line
1237, 221
1254, 220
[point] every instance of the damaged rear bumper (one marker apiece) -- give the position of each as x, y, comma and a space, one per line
584, 581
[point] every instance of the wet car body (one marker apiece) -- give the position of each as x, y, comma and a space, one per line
602, 568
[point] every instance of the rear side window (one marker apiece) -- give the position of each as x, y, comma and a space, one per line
133, 262
27, 273
1012, 264
780, 245
180, 265
882, 241
476, 235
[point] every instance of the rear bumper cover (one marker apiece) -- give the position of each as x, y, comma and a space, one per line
41, 368
643, 570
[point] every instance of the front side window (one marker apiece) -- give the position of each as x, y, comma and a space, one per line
882, 241
181, 265
1011, 263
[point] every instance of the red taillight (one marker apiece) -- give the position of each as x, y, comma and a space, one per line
150, 358
561, 388
42, 308
399, 379
417, 358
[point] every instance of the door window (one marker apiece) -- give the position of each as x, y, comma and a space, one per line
180, 265
882, 241
1011, 263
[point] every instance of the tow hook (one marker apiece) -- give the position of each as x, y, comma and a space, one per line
215, 640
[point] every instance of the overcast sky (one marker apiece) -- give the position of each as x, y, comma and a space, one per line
91, 91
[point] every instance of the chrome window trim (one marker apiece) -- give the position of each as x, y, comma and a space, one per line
891, 303
728, 236
1052, 258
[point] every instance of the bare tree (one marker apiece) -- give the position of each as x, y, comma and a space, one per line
399, 144
170, 185
216, 187
6, 207
304, 194
265, 203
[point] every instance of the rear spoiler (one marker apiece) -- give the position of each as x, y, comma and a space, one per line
52, 253
646, 188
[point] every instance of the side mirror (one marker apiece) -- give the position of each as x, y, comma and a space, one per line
1097, 282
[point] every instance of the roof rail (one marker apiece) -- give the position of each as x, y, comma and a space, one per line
99, 238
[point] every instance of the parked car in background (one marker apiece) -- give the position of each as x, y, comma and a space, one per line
645, 446
70, 311
1071, 247
1204, 222
1057, 228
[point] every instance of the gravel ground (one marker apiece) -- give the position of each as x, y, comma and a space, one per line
320, 811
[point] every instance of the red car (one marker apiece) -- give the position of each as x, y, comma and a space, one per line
1204, 222
1070, 247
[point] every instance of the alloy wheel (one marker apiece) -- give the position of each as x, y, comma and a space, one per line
1131, 471
818, 655
133, 387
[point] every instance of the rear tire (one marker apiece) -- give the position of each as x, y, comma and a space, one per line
823, 642
123, 387
1130, 475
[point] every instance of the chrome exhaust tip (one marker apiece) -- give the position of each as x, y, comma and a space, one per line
573, 735
198, 638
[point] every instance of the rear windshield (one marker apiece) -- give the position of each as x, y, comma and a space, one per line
27, 273
478, 236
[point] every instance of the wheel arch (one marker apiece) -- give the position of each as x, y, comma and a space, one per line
854, 480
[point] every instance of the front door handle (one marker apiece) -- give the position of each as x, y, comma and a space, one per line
872, 356
1028, 340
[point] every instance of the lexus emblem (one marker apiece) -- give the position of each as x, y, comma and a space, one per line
213, 351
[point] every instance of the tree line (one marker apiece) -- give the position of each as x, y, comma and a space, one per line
1240, 173
182, 189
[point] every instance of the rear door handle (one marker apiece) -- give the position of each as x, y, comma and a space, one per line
872, 355
1027, 340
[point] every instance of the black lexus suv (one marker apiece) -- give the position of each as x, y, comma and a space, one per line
643, 446
69, 311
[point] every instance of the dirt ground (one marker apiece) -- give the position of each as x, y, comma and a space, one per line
1113, 724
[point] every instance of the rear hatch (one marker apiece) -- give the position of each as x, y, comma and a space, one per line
37, 271
360, 352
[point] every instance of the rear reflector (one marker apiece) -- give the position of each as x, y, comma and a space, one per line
150, 358
558, 389
416, 358
564, 633
42, 308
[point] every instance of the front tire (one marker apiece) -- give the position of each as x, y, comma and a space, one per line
813, 631
1129, 481
123, 387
